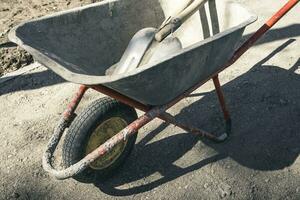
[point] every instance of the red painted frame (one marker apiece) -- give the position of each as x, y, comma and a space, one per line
151, 112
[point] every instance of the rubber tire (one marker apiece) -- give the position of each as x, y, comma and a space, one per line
81, 129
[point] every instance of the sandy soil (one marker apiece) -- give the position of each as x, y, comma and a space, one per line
260, 161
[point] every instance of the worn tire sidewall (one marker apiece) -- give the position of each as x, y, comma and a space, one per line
90, 123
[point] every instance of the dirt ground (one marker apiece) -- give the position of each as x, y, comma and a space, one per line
260, 160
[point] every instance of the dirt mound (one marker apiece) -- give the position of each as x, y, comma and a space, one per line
13, 59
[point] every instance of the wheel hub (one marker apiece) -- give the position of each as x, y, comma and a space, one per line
102, 133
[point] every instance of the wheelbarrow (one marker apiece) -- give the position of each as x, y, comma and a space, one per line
81, 44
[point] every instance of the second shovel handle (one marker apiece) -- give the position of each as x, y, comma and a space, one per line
175, 22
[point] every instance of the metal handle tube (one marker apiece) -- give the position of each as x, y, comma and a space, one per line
260, 32
175, 22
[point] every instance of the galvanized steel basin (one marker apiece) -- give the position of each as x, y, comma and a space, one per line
82, 43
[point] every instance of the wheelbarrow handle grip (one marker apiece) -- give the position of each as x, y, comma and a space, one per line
173, 23
48, 155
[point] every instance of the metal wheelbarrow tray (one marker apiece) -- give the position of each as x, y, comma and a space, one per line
81, 44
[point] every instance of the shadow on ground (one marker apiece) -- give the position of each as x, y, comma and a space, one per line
265, 108
30, 82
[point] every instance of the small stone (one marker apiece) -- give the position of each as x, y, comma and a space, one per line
267, 180
205, 185
253, 188
223, 194
245, 83
16, 195
225, 190
298, 190
4, 9
16, 12
283, 102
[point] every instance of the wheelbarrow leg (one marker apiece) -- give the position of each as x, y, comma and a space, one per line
222, 103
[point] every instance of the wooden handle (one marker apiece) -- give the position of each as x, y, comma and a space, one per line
174, 23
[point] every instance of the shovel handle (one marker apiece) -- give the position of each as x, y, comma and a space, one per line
173, 23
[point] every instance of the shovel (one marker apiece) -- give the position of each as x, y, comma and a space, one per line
150, 44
